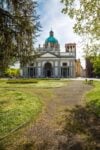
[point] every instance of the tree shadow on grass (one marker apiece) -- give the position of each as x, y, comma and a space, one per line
80, 130
82, 125
27, 146
2, 146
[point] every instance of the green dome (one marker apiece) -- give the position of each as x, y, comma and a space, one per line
51, 39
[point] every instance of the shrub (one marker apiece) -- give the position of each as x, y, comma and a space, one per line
11, 72
48, 79
21, 81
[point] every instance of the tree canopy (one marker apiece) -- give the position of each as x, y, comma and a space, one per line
86, 14
18, 29
96, 65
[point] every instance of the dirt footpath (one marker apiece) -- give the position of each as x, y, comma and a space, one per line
43, 134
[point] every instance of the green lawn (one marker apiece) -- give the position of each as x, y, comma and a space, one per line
20, 103
16, 108
93, 98
40, 84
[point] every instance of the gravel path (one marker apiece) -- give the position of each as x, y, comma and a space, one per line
44, 131
42, 135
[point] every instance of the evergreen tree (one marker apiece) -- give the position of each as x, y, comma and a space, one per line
18, 29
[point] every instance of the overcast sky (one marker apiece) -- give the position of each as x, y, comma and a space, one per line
62, 25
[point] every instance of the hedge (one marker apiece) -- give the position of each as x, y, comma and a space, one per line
21, 81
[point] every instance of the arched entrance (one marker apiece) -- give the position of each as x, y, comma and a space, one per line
48, 70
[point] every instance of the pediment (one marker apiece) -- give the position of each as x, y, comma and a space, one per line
48, 55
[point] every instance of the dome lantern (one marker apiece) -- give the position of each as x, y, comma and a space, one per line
51, 33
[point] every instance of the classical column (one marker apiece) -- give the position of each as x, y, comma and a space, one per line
53, 69
70, 69
59, 69
41, 70
36, 69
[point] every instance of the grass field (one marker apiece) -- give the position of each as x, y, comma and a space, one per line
39, 84
93, 98
20, 103
16, 108
23, 102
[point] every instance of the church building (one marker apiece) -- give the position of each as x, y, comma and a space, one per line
51, 62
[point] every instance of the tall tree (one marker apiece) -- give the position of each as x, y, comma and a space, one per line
26, 18
6, 36
18, 28
86, 14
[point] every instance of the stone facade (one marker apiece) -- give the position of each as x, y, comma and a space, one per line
51, 62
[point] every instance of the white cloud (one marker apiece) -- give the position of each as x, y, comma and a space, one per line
62, 25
